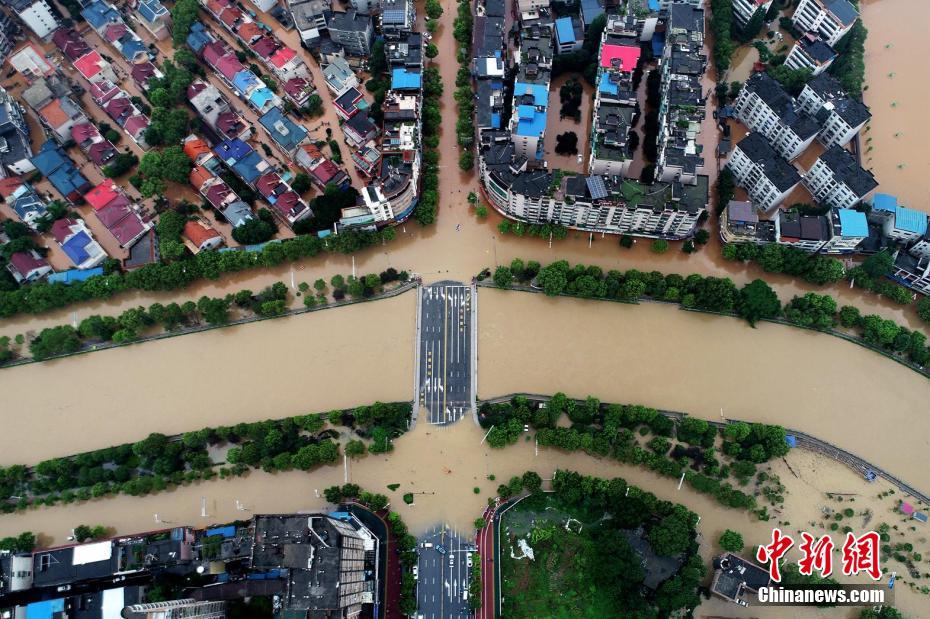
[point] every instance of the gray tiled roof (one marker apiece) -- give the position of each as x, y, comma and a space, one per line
845, 169
782, 174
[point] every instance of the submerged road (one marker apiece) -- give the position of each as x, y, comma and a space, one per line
444, 352
442, 575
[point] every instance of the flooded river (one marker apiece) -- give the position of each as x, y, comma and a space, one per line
896, 74
270, 369
667, 358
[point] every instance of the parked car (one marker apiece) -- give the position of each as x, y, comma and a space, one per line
416, 572
440, 549
468, 559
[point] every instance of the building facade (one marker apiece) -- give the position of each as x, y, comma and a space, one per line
762, 172
830, 18
836, 180
765, 107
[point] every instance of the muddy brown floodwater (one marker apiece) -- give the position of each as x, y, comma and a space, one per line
661, 356
264, 370
896, 53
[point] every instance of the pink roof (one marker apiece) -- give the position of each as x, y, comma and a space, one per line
266, 183
623, 57
114, 32
229, 65
136, 124
113, 212
125, 224
61, 229
118, 106
25, 262
217, 194
264, 46
906, 508
89, 65
101, 152
103, 91
213, 52
102, 194
83, 131
195, 89
282, 57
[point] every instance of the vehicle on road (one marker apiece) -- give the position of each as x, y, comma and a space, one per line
465, 595
440, 549
416, 572
468, 559
426, 545
451, 560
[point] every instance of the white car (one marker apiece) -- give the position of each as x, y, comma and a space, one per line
451, 560
416, 572
468, 559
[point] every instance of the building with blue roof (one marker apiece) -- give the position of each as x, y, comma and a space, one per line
100, 15
61, 172
906, 225
27, 204
287, 134
46, 609
568, 34
245, 81
262, 99
607, 86
250, 167
884, 202
528, 123
74, 275
531, 94
154, 17
231, 151
848, 229
198, 37
591, 10
403, 78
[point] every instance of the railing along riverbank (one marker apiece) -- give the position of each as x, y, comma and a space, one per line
200, 328
923, 371
804, 441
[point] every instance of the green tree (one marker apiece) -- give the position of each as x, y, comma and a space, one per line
431, 50
301, 183
659, 246
671, 536
214, 311
355, 448
183, 16
502, 277
53, 341
757, 301
879, 265
731, 541
253, 231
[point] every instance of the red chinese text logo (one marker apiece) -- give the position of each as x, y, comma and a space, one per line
860, 554
817, 555
771, 553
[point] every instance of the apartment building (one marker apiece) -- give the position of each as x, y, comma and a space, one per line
740, 223
765, 107
398, 18
848, 229
568, 34
15, 145
810, 52
841, 117
743, 10
806, 232
353, 31
528, 122
762, 172
837, 180
37, 14
906, 225
831, 19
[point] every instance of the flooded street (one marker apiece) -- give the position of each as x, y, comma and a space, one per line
660, 356
265, 370
896, 76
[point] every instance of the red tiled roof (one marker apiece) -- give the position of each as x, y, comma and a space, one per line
289, 204
83, 131
142, 72
103, 91
9, 185
216, 6
198, 176
325, 171
198, 234
228, 123
110, 214
297, 86
70, 43
248, 31
114, 32
26, 262
89, 65
230, 16
213, 52
102, 194
264, 47
61, 229
135, 125
118, 106
53, 114
194, 148
127, 225
229, 65
312, 151
195, 89
267, 182
217, 194
282, 57
101, 152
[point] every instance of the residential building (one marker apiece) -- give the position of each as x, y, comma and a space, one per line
311, 18
912, 271
339, 76
765, 107
359, 129
26, 203
406, 50
265, 5
154, 17
735, 578
76, 240
810, 52
142, 72
298, 90
848, 229
353, 31
176, 609
830, 18
330, 561
406, 79
837, 180
27, 267
740, 223
905, 225
528, 121
806, 232
321, 170
216, 111
52, 162
237, 213
9, 31
743, 10
349, 103
31, 62
15, 572
525, 6
591, 10
201, 236
398, 17
50, 98
765, 175
94, 146
367, 160
609, 151
88, 62
108, 23
37, 14
286, 134
15, 148
841, 117
569, 34
116, 212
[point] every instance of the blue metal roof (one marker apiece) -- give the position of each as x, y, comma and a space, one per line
74, 247
198, 37
49, 158
909, 220
884, 202
247, 167
227, 531
74, 275
99, 14
532, 122
45, 609
282, 129
495, 120
151, 9
853, 223
402, 79
590, 10
606, 86
130, 47
564, 30
261, 96
244, 80
231, 151
540, 93
658, 44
